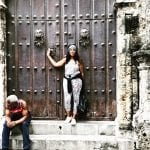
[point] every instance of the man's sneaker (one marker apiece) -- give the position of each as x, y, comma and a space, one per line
73, 122
68, 120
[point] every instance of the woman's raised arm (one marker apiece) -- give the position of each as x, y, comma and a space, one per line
53, 62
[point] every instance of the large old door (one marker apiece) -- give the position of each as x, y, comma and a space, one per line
35, 25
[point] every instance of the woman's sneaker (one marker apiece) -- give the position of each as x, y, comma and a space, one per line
73, 122
68, 119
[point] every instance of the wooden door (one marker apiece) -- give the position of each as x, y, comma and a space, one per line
35, 25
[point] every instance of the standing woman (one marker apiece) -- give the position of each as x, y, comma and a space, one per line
72, 81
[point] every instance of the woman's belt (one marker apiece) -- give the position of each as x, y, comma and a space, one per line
69, 81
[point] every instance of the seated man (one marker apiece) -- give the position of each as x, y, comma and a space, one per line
16, 114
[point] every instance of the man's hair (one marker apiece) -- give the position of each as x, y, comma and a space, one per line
12, 98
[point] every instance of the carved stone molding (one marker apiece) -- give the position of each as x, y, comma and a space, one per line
121, 4
142, 56
141, 119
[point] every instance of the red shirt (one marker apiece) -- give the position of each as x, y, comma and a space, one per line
16, 111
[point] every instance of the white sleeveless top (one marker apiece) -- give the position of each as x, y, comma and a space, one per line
72, 68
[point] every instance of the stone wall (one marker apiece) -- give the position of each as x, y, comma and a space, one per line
2, 57
124, 67
133, 71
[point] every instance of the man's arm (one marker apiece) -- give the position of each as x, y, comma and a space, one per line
7, 115
53, 62
10, 123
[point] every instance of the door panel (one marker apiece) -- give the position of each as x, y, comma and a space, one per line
85, 9
38, 9
99, 9
70, 9
99, 68
33, 78
52, 28
111, 67
23, 63
53, 9
22, 9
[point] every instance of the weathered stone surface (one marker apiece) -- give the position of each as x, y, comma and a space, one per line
2, 56
141, 120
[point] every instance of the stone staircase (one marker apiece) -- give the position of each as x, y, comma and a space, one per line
86, 135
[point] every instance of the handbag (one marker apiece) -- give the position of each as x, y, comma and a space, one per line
83, 102
82, 106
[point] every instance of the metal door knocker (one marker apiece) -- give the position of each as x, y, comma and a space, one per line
84, 37
39, 39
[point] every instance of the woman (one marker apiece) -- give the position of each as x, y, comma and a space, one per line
72, 82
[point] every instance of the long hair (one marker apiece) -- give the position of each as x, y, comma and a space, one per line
76, 57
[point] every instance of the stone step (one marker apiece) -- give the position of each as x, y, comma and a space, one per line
47, 127
74, 142
81, 128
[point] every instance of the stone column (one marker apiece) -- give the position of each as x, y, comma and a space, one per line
124, 68
141, 119
2, 56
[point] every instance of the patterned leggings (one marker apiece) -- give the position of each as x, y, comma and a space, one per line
76, 88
